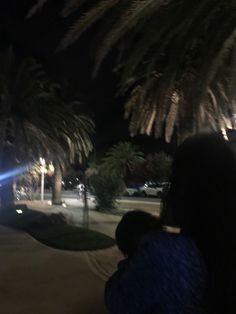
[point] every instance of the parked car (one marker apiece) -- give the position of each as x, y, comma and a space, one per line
131, 191
151, 189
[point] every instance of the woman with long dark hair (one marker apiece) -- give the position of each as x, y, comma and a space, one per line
202, 201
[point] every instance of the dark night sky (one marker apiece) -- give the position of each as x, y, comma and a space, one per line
39, 37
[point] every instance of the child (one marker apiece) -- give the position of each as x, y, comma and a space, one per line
132, 227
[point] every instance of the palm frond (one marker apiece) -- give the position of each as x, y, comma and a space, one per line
172, 116
86, 21
71, 6
135, 12
36, 7
165, 48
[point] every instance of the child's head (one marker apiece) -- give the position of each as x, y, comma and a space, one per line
132, 227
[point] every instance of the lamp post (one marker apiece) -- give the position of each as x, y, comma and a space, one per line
43, 170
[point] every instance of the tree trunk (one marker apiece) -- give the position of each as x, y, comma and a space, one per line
7, 194
7, 163
86, 208
57, 179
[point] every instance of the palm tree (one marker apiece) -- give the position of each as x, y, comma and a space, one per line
75, 136
20, 91
177, 59
122, 158
108, 177
33, 123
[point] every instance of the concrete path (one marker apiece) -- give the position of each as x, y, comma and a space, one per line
36, 279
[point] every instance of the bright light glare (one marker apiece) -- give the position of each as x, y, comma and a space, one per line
42, 161
224, 133
19, 211
64, 204
49, 203
13, 173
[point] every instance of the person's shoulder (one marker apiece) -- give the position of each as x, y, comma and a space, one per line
173, 243
166, 236
174, 253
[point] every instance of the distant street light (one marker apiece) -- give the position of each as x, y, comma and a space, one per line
43, 171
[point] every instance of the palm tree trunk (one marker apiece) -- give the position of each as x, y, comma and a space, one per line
7, 163
57, 179
7, 195
86, 208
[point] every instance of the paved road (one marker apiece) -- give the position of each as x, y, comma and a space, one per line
73, 194
151, 205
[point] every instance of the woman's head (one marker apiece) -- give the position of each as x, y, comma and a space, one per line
202, 195
132, 227
202, 200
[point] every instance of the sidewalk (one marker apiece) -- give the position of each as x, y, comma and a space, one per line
37, 279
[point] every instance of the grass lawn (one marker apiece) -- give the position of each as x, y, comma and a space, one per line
55, 234
68, 237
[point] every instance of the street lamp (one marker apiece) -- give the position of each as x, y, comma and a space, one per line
43, 171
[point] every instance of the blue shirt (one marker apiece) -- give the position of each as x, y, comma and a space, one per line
167, 275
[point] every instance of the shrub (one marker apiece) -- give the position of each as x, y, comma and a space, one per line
106, 188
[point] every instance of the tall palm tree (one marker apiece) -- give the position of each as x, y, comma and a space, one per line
20, 91
76, 136
33, 123
177, 59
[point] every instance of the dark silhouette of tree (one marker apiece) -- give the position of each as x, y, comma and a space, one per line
34, 122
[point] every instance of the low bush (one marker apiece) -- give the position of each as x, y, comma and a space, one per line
106, 189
